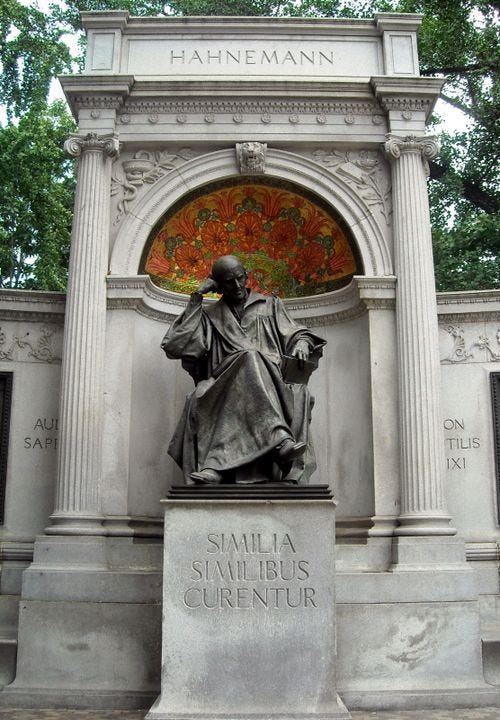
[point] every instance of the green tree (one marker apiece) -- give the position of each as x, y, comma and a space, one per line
37, 180
36, 201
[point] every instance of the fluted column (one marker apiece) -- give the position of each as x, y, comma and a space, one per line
423, 508
77, 509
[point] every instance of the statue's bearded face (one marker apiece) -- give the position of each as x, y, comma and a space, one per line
232, 282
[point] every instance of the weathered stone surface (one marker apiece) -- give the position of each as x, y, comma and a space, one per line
248, 615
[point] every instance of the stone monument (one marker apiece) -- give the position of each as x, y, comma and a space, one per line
300, 145
248, 592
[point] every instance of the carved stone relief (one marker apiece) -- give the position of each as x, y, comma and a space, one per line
130, 176
366, 171
39, 344
280, 112
251, 157
472, 345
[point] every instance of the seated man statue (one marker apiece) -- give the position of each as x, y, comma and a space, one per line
243, 422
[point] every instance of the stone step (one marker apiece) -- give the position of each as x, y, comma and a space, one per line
490, 640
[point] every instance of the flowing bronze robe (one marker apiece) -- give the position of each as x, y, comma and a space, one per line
241, 408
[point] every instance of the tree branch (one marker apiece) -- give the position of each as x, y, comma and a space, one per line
472, 192
461, 106
459, 69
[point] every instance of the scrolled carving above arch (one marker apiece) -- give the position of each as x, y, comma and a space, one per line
136, 227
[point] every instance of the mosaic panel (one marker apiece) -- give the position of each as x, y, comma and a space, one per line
290, 242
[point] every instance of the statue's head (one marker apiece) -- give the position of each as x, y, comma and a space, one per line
231, 278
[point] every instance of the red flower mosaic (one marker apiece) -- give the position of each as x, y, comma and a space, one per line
289, 244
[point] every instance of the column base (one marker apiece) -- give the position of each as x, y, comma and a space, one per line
423, 525
76, 524
428, 553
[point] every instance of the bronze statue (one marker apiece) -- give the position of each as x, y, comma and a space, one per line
247, 420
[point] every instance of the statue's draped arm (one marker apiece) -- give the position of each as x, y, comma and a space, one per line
190, 335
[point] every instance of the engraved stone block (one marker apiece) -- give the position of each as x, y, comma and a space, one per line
249, 611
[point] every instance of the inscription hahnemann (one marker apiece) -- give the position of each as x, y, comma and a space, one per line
251, 57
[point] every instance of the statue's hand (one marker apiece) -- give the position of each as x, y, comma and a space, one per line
207, 286
301, 351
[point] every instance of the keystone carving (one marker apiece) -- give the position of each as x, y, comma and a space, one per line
251, 157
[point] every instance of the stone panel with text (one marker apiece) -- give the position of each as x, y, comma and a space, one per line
249, 626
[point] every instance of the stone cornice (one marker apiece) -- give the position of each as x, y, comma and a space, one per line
409, 22
466, 297
251, 106
16, 551
141, 295
95, 91
407, 93
32, 306
108, 19
233, 24
377, 293
34, 297
469, 306
478, 551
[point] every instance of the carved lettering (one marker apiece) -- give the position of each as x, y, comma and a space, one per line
271, 58
251, 56
249, 571
454, 424
40, 440
249, 543
276, 598
37, 443
458, 442
455, 463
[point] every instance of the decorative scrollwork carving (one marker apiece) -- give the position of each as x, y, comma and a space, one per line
143, 168
366, 171
460, 353
38, 347
395, 145
76, 144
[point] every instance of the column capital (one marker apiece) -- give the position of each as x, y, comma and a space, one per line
425, 145
76, 144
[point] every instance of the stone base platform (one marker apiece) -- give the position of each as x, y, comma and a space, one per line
248, 605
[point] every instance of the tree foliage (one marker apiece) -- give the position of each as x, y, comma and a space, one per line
36, 202
459, 40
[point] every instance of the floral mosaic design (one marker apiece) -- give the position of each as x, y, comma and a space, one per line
289, 244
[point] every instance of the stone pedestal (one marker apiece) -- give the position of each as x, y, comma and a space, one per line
249, 607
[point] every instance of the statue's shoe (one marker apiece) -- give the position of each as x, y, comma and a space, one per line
289, 450
207, 476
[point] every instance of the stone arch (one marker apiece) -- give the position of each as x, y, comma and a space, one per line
136, 227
